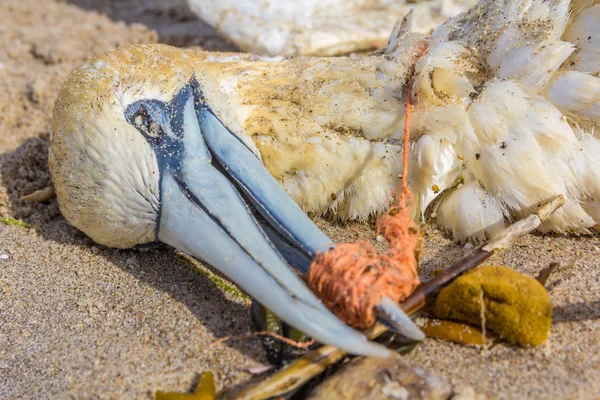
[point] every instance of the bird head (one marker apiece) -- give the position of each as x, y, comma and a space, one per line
102, 156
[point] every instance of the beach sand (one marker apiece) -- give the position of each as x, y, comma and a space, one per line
78, 320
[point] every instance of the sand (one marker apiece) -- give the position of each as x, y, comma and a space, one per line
78, 320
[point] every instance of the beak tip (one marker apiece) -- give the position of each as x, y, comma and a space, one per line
397, 320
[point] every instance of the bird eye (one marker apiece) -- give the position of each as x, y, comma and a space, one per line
144, 123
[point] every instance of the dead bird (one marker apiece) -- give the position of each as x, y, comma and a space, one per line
144, 150
153, 143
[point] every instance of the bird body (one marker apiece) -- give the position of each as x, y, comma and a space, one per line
502, 112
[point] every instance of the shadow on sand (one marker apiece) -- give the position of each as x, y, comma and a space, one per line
173, 20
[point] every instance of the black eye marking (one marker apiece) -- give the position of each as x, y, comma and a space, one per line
146, 124
145, 116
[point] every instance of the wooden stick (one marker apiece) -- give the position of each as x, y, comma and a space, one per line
481, 254
316, 361
40, 195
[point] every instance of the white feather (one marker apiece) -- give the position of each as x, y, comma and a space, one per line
469, 212
534, 63
510, 38
586, 169
441, 74
434, 168
584, 33
500, 105
576, 94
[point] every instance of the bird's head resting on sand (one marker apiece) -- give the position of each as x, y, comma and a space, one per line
153, 143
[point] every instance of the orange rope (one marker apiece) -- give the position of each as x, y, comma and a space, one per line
351, 279
405, 147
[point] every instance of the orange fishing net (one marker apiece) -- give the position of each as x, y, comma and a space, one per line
351, 278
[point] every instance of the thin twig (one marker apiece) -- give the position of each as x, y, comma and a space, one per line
255, 335
545, 273
40, 195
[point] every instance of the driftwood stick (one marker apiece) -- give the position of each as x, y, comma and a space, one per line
40, 195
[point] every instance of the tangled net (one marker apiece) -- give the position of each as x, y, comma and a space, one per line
351, 278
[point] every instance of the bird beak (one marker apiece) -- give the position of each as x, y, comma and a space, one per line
220, 204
